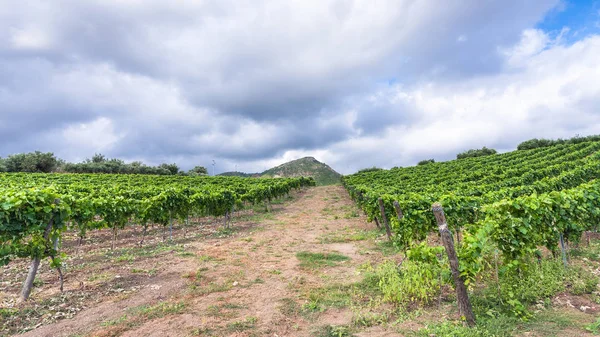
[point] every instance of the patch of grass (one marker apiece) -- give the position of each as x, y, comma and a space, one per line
37, 282
149, 272
317, 260
246, 324
205, 258
224, 310
127, 257
333, 331
125, 254
387, 248
594, 327
351, 214
115, 321
333, 296
591, 252
289, 307
344, 236
99, 277
158, 310
204, 331
212, 287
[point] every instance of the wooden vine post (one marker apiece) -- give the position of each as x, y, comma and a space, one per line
398, 210
384, 219
464, 304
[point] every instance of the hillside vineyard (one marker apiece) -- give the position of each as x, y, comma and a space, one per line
516, 202
36, 209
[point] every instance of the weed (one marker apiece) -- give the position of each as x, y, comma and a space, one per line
246, 324
115, 321
334, 331
594, 327
289, 307
158, 310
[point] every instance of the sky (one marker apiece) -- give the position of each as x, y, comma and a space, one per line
252, 84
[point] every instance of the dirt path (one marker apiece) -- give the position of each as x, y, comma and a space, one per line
250, 284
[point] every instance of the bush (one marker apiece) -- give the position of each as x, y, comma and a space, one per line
484, 151
31, 162
198, 170
100, 164
581, 281
370, 169
412, 282
426, 161
537, 143
519, 288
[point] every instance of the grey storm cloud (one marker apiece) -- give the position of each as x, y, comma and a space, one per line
254, 83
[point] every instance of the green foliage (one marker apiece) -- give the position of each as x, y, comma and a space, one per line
426, 161
537, 143
334, 331
35, 209
581, 281
317, 260
594, 327
172, 168
101, 164
413, 281
476, 153
425, 253
30, 162
198, 170
369, 169
515, 202
517, 288
452, 329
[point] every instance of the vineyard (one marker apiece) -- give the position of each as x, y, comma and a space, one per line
509, 209
37, 209
389, 252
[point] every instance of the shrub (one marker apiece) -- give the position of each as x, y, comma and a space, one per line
426, 161
370, 169
412, 282
484, 151
31, 162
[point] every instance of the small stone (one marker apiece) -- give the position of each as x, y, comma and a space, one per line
235, 283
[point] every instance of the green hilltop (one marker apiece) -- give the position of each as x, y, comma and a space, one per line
307, 167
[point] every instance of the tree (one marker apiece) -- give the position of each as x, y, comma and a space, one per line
31, 162
198, 170
370, 169
426, 161
476, 153
172, 168
98, 158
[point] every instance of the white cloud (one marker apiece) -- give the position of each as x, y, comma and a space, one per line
555, 94
255, 83
94, 137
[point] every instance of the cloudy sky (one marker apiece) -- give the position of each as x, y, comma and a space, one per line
255, 83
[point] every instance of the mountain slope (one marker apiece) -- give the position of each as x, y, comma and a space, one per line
308, 167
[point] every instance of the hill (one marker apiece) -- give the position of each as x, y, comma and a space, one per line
308, 167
